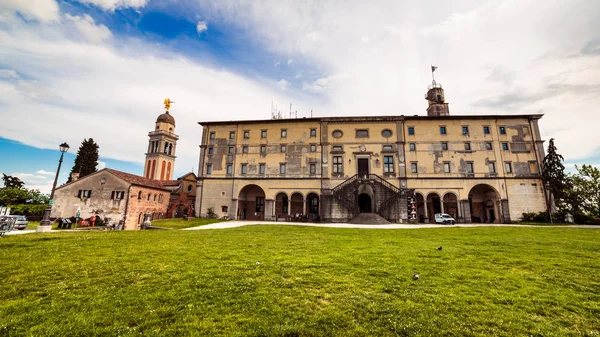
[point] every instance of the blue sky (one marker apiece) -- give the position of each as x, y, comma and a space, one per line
71, 70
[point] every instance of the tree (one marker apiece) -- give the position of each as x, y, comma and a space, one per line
10, 181
587, 184
14, 196
86, 160
553, 174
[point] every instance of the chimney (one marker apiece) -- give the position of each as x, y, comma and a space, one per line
74, 176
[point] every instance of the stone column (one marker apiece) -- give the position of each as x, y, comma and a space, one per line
289, 206
269, 209
426, 219
505, 210
466, 209
442, 205
304, 207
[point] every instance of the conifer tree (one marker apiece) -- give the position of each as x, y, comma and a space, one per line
553, 172
86, 160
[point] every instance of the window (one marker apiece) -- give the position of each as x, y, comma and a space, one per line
446, 167
504, 146
229, 169
338, 164
209, 169
284, 204
189, 188
224, 209
261, 168
412, 146
486, 130
388, 164
232, 135
362, 133
411, 130
465, 130
386, 133
488, 146
244, 149
263, 149
246, 134
260, 204
502, 130
213, 135
533, 167
467, 146
244, 168
154, 199
492, 166
160, 198
313, 168
442, 130
313, 148
281, 168
210, 150
149, 196
444, 146
413, 167
283, 133
338, 148
230, 150
313, 132
470, 167
84, 194
388, 148
508, 167
337, 134
140, 195
282, 148
117, 195
263, 134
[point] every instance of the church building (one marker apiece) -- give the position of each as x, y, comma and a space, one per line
404, 168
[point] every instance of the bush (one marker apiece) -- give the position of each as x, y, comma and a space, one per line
596, 222
541, 217
28, 209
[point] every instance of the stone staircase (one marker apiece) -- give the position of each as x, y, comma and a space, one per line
369, 219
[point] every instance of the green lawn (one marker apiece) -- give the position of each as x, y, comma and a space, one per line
180, 223
302, 281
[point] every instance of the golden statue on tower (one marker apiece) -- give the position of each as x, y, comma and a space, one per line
168, 104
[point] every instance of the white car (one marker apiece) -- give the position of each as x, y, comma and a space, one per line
444, 218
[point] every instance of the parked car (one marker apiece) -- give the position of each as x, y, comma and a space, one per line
21, 222
444, 219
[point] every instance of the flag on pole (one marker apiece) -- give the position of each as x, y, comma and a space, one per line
433, 68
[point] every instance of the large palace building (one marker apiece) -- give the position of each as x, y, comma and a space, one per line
477, 168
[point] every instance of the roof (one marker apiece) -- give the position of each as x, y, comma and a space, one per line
166, 118
169, 182
355, 119
136, 180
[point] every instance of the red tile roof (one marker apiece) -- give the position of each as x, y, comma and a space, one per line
137, 180
169, 182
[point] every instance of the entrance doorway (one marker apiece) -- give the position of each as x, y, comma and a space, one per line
363, 166
364, 203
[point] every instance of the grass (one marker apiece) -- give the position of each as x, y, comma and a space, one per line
303, 281
180, 223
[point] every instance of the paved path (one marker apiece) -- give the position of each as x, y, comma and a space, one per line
239, 223
24, 231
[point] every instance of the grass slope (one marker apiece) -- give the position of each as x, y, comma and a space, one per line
302, 281
180, 223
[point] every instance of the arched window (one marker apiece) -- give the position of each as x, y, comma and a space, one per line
170, 148
160, 198
149, 196
154, 197
140, 195
166, 147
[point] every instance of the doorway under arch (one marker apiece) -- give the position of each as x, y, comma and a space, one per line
297, 207
451, 205
251, 203
312, 206
365, 203
281, 205
483, 203
434, 206
420, 201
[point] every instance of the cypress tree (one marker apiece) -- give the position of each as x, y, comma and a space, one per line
86, 160
553, 175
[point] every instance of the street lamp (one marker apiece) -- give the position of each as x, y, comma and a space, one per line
45, 224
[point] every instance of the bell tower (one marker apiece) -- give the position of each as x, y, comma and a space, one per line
162, 144
435, 98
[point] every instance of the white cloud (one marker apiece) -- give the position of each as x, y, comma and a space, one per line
290, 61
88, 28
115, 4
8, 73
201, 27
42, 10
283, 84
101, 165
46, 173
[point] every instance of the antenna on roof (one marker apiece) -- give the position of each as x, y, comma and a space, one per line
290, 110
310, 113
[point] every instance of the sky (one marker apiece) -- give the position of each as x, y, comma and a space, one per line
100, 69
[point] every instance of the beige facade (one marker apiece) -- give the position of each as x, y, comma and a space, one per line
475, 168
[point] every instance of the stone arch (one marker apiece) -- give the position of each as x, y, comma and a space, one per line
297, 203
434, 205
282, 205
420, 201
484, 203
251, 203
365, 198
180, 211
450, 203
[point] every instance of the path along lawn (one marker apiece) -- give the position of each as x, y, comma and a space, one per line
302, 281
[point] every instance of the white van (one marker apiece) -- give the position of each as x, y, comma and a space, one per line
444, 219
